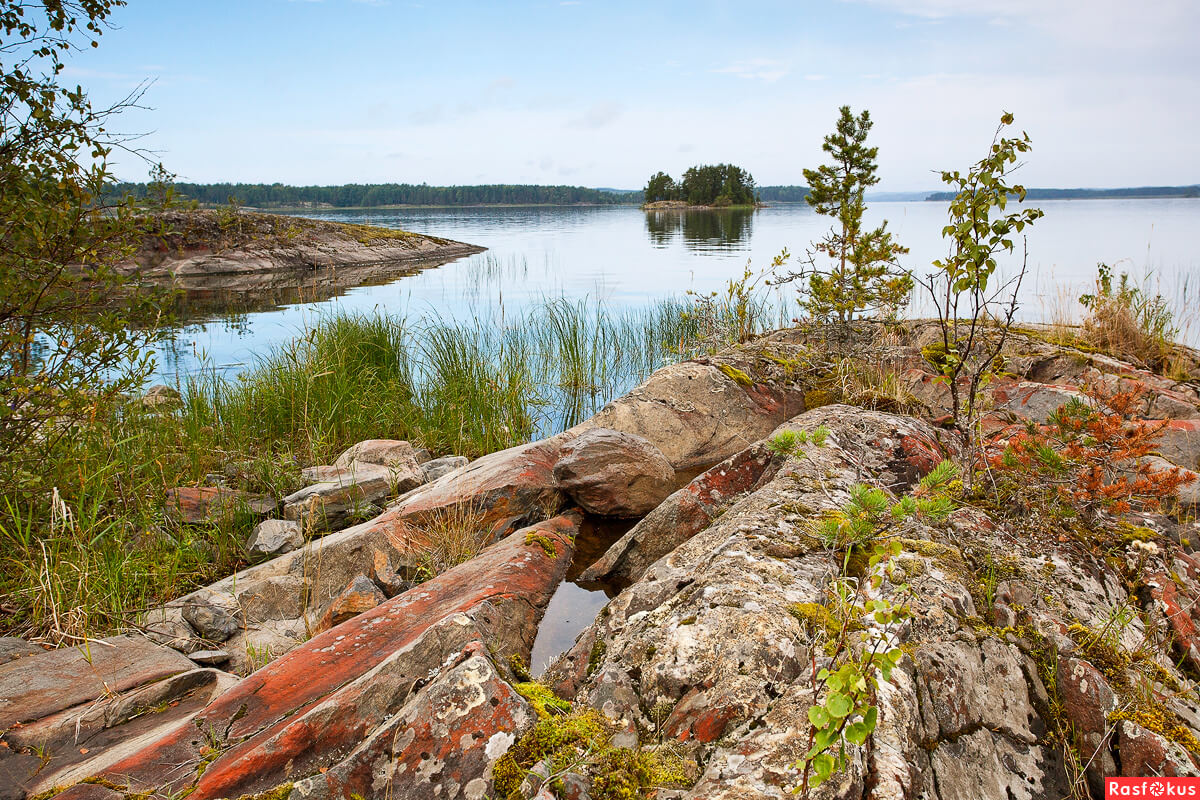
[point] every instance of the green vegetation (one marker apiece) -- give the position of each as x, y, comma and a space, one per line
84, 540
1128, 321
844, 710
972, 313
278, 195
65, 348
864, 277
718, 185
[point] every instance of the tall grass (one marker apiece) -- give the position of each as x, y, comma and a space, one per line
84, 543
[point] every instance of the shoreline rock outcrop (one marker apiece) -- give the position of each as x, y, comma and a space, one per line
1039, 654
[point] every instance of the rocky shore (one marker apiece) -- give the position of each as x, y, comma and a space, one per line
1040, 655
203, 250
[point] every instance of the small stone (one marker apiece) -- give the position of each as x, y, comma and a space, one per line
274, 537
209, 658
537, 775
387, 577
359, 596
575, 787
161, 395
215, 616
443, 466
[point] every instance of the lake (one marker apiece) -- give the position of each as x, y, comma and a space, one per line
624, 257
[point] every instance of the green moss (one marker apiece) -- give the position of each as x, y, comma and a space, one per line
557, 739
736, 375
541, 541
280, 792
599, 648
1103, 653
1158, 719
815, 398
520, 669
931, 549
688, 621
542, 698
816, 619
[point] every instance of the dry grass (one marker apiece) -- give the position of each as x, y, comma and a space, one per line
443, 539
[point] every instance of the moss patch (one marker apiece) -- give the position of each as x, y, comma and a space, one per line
736, 375
541, 541
542, 698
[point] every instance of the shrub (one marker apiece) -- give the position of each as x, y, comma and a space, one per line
1128, 322
1092, 456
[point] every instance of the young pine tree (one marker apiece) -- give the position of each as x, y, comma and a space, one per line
863, 276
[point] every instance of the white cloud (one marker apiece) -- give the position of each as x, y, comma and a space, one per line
596, 117
763, 69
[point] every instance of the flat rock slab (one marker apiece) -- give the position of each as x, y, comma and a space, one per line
12, 648
309, 709
85, 739
344, 492
195, 505
41, 684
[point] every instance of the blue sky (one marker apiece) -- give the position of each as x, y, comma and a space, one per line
604, 93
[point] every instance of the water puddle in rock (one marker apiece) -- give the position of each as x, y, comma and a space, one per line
572, 608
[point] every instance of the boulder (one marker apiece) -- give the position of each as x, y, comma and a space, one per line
1087, 700
698, 413
1144, 753
273, 537
439, 467
614, 474
195, 505
361, 595
214, 615
160, 395
1034, 401
680, 517
408, 683
348, 493
1179, 443
388, 452
506, 490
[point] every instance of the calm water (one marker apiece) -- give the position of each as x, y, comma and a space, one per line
625, 257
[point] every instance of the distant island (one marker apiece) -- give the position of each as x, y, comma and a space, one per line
703, 186
382, 195
1096, 194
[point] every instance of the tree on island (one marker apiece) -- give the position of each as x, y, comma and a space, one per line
704, 185
864, 276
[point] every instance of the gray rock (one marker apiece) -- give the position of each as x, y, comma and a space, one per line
166, 626
209, 658
215, 616
389, 452
272, 537
443, 466
349, 493
161, 395
613, 473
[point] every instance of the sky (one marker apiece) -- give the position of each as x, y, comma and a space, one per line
606, 92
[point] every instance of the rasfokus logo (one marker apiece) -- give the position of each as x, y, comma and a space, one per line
1151, 787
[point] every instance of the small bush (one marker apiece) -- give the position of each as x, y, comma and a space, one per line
1128, 322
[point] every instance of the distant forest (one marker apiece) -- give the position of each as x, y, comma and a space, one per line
782, 194
277, 195
1089, 194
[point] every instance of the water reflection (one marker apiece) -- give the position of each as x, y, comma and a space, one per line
701, 230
